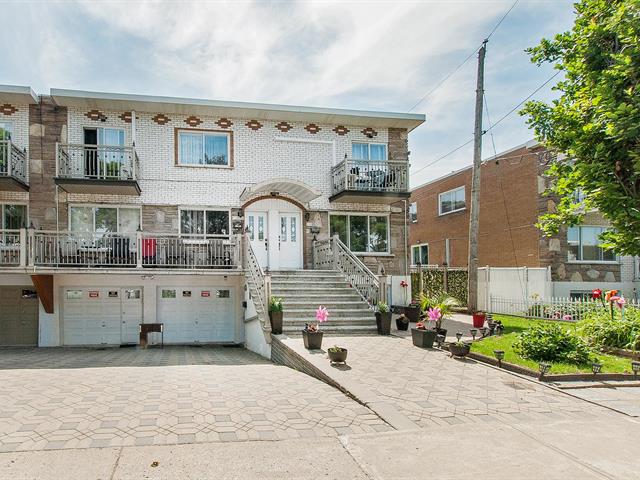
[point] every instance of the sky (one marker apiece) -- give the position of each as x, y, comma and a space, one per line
370, 55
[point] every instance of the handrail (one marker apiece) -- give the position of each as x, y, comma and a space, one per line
13, 161
335, 255
99, 162
371, 176
259, 283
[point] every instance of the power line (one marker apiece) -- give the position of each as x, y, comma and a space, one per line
450, 74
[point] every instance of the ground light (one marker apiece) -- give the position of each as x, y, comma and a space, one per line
483, 331
500, 356
473, 332
440, 340
544, 368
596, 367
635, 367
458, 335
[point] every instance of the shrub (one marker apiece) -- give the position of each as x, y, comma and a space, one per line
603, 331
275, 304
552, 343
383, 307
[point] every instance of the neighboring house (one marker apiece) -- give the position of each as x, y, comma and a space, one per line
126, 209
511, 200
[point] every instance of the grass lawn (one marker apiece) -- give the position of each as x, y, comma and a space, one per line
515, 325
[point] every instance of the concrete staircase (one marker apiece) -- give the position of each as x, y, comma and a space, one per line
303, 291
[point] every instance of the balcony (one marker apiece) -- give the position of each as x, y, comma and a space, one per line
370, 181
13, 167
100, 169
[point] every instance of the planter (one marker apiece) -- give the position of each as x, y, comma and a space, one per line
402, 325
413, 313
383, 322
459, 350
276, 322
442, 331
312, 340
339, 356
423, 338
478, 320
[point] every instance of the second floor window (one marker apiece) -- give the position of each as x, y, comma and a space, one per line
368, 151
204, 222
451, 201
584, 245
413, 212
203, 148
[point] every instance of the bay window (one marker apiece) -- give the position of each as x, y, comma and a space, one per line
203, 148
361, 233
205, 222
368, 151
584, 245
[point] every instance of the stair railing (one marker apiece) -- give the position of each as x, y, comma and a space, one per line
259, 283
332, 254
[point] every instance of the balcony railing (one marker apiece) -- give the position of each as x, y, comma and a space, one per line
390, 176
96, 162
38, 248
13, 161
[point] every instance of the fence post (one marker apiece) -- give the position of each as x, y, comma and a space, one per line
334, 252
267, 292
382, 279
420, 279
23, 247
139, 249
525, 275
238, 251
487, 290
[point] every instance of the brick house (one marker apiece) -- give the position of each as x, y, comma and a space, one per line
120, 210
511, 199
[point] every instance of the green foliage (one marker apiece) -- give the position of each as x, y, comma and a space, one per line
620, 332
275, 304
383, 307
596, 120
552, 343
433, 283
442, 301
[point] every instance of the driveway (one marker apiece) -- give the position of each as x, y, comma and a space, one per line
68, 398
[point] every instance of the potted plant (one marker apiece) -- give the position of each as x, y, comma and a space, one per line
311, 335
402, 322
412, 311
275, 315
459, 349
438, 308
423, 337
478, 319
337, 354
383, 319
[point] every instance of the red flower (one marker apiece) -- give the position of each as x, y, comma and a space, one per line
420, 326
596, 294
403, 284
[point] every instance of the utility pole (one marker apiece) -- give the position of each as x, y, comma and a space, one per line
474, 214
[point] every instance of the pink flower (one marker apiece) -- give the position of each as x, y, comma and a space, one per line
567, 317
434, 314
621, 302
322, 314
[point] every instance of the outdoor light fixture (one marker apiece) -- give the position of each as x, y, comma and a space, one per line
635, 366
499, 356
596, 367
544, 368
440, 340
473, 332
458, 335
483, 331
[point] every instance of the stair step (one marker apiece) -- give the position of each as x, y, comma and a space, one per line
336, 322
305, 283
309, 289
332, 304
361, 330
311, 313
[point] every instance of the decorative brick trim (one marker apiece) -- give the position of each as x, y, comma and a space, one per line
125, 117
192, 121
161, 119
8, 109
284, 127
224, 122
341, 130
254, 125
95, 115
312, 128
369, 132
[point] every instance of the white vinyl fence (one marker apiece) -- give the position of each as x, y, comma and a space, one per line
519, 284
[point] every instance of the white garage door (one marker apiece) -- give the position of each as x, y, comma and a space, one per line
197, 314
101, 316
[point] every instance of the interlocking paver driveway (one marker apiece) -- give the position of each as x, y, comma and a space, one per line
66, 398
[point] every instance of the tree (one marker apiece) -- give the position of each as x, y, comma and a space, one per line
595, 124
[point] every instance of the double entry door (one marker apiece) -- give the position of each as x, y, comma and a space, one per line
276, 238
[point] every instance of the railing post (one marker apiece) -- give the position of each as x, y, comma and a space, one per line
139, 249
31, 246
313, 254
23, 247
238, 251
267, 291
383, 288
334, 252
57, 174
9, 155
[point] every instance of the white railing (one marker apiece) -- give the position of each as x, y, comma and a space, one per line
96, 162
259, 283
12, 248
371, 176
570, 309
13, 161
188, 251
332, 254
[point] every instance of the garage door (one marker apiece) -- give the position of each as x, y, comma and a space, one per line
101, 316
18, 316
197, 314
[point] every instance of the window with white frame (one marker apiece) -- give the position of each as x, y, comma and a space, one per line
203, 148
5, 135
205, 222
6, 130
361, 233
420, 254
104, 219
584, 245
368, 151
14, 216
413, 212
451, 201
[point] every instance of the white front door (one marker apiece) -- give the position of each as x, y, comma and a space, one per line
258, 229
131, 315
290, 242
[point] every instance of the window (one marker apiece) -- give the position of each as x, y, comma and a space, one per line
368, 151
203, 148
204, 222
362, 233
451, 201
584, 245
14, 217
413, 212
420, 254
104, 219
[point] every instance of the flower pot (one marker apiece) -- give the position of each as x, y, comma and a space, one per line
339, 356
402, 324
383, 322
442, 331
459, 350
423, 338
412, 312
276, 322
478, 320
312, 340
